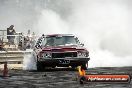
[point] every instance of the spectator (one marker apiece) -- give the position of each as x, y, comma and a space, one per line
1, 44
10, 32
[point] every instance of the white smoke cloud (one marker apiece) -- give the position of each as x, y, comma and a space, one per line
104, 28
102, 25
50, 22
29, 62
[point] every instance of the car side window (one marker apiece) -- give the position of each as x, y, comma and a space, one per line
43, 42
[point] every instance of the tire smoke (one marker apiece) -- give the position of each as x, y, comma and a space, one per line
101, 25
104, 26
105, 30
29, 62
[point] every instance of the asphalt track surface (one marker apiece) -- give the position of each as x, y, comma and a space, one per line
60, 78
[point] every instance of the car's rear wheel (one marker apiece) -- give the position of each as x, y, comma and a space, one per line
85, 66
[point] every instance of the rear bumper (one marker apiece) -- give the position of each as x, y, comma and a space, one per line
64, 61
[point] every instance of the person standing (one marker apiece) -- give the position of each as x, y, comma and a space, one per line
10, 33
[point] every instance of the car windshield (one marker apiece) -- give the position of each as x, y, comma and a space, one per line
60, 40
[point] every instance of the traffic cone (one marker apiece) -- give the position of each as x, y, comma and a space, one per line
5, 71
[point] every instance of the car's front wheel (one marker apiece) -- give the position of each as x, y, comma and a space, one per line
40, 66
74, 67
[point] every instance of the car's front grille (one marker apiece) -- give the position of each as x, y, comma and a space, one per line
63, 55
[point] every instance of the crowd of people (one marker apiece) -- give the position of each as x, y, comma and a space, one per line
24, 41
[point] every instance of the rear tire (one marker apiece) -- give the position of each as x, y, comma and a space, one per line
85, 66
82, 80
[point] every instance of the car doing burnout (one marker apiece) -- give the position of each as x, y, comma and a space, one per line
61, 50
